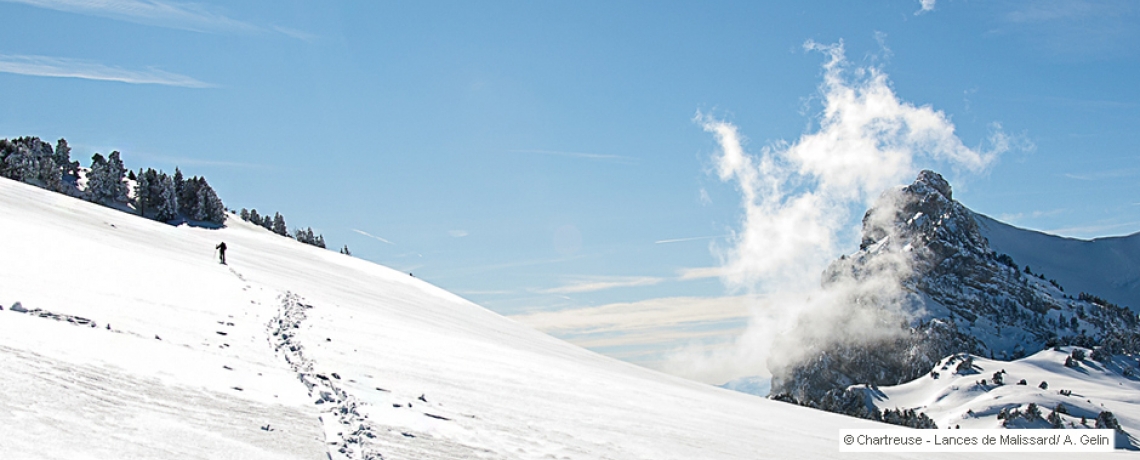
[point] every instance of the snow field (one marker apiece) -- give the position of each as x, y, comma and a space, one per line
191, 367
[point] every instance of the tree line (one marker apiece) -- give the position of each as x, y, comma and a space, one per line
157, 195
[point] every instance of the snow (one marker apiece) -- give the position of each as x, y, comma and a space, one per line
961, 400
292, 351
1105, 267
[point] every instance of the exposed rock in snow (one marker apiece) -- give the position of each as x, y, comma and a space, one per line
955, 294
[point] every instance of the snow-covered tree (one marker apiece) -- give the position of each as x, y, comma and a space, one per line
303, 235
62, 159
345, 251
279, 225
105, 179
244, 214
254, 217
166, 203
209, 207
96, 178
142, 193
118, 174
188, 197
178, 182
20, 164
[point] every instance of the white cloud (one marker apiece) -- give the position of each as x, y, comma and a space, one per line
796, 201
925, 6
796, 196
45, 66
458, 233
592, 284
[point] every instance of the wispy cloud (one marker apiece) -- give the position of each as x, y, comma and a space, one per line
925, 6
593, 284
1102, 175
688, 274
458, 233
587, 156
650, 313
46, 66
693, 238
175, 15
645, 331
1078, 28
362, 232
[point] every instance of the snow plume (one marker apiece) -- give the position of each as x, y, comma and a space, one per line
797, 201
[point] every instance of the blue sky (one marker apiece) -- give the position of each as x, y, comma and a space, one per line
557, 156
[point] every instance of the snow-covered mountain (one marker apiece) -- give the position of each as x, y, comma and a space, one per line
1037, 391
131, 341
933, 285
1107, 267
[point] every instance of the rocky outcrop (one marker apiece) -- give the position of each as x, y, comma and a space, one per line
938, 289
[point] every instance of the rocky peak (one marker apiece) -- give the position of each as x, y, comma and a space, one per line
958, 295
930, 182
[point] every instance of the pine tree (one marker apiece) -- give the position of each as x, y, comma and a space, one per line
279, 225
254, 217
167, 203
20, 164
304, 236
62, 158
267, 222
142, 193
117, 174
320, 242
188, 197
345, 251
97, 179
178, 182
244, 214
209, 207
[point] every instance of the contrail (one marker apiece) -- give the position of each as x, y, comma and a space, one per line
362, 232
695, 238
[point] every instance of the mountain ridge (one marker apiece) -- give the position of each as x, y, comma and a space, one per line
926, 284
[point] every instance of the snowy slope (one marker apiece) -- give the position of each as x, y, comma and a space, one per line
1106, 267
971, 399
291, 351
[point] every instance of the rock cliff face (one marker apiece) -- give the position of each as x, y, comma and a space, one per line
934, 287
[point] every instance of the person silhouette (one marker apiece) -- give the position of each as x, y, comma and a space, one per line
221, 247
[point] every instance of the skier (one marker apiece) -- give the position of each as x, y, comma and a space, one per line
221, 247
